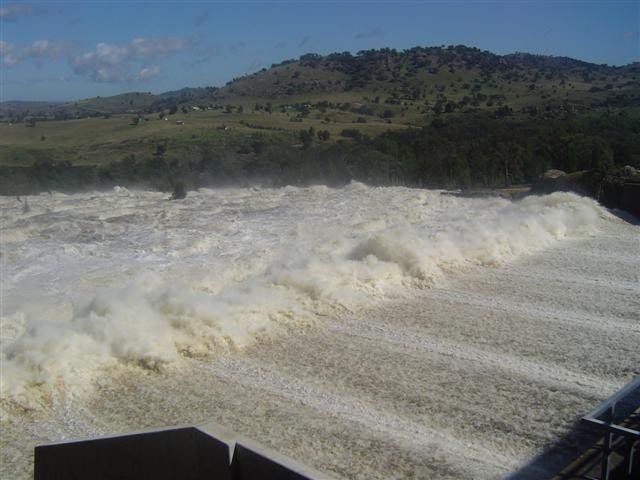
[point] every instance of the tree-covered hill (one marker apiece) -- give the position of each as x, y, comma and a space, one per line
426, 79
420, 73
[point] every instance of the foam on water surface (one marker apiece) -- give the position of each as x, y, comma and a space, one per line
196, 297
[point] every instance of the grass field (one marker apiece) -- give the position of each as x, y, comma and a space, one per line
100, 140
97, 140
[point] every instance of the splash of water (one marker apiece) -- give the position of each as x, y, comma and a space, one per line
93, 280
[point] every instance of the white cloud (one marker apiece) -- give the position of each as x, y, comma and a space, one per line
147, 73
144, 48
112, 63
104, 64
104, 55
15, 10
46, 49
7, 54
40, 50
5, 47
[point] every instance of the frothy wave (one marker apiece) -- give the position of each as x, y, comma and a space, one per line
224, 268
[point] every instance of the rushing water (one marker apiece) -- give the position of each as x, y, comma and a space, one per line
368, 332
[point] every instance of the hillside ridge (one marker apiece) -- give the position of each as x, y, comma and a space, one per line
428, 74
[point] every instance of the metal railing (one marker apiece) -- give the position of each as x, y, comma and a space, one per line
619, 419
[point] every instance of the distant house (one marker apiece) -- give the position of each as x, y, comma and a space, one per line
193, 107
179, 122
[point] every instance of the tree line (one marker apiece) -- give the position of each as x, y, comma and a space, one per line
479, 150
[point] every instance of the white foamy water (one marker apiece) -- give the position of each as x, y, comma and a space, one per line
372, 332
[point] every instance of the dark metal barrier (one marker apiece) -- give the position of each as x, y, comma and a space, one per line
619, 419
189, 453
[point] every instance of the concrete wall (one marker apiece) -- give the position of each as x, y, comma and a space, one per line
187, 453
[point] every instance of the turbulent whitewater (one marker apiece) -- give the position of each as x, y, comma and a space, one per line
369, 332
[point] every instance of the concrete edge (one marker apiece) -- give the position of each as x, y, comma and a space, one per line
118, 435
287, 462
232, 439
220, 433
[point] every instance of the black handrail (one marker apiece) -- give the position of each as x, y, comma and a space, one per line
618, 418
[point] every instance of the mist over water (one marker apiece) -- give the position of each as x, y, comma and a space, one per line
371, 332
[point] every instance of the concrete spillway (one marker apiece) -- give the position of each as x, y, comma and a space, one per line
362, 366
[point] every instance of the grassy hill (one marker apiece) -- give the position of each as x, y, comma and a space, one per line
348, 104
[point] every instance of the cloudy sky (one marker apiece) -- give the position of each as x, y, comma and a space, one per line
64, 50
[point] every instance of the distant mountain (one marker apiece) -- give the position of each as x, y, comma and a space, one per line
453, 77
14, 108
130, 102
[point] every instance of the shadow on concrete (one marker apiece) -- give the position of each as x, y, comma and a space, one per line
564, 459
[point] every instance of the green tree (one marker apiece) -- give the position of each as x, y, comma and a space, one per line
306, 137
324, 135
160, 151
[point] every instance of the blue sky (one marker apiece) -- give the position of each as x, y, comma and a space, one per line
75, 49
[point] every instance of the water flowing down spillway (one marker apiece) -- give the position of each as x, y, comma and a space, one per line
367, 332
